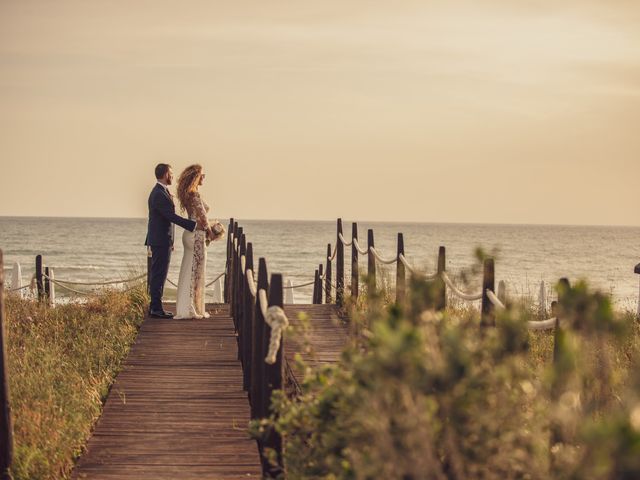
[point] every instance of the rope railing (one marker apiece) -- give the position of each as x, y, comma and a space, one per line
459, 293
107, 282
362, 251
381, 259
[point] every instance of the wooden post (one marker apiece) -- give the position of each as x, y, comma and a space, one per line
441, 299
274, 378
6, 427
242, 285
502, 292
556, 431
52, 288
257, 352
247, 324
339, 266
637, 270
371, 264
320, 274
401, 277
39, 283
316, 281
355, 279
149, 261
228, 262
327, 278
488, 315
47, 285
231, 270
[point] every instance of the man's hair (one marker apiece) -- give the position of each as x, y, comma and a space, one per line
161, 170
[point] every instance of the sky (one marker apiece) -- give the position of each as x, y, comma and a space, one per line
429, 111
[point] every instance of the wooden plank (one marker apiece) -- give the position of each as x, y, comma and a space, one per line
177, 409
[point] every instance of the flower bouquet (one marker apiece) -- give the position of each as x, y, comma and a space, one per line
217, 230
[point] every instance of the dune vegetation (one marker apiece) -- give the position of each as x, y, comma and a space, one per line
62, 362
420, 394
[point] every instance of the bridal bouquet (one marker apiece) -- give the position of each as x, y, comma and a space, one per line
218, 231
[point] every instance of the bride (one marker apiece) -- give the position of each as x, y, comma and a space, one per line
190, 301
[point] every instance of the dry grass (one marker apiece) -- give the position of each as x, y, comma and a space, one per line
62, 362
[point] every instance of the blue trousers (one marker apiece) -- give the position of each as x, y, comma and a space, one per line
160, 258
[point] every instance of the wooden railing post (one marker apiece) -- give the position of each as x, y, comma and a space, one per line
274, 379
355, 279
556, 386
6, 427
247, 321
149, 261
637, 270
441, 299
47, 285
257, 351
339, 266
242, 285
327, 278
488, 315
232, 267
400, 271
320, 274
316, 281
228, 262
39, 283
371, 264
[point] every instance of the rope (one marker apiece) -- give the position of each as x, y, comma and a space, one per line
542, 324
108, 282
278, 321
457, 292
302, 284
532, 325
17, 289
333, 255
357, 245
380, 259
344, 242
495, 300
252, 283
264, 303
243, 263
215, 279
413, 271
206, 285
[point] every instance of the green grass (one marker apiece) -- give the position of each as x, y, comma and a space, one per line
62, 362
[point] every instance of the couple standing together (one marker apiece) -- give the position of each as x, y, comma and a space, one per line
196, 236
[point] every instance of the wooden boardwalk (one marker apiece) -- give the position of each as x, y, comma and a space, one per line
327, 336
177, 410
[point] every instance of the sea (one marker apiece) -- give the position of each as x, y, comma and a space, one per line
103, 249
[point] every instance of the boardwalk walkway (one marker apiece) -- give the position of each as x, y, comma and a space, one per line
327, 336
177, 410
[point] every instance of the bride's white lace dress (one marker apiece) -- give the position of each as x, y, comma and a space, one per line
190, 300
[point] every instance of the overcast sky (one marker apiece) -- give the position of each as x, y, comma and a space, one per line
453, 111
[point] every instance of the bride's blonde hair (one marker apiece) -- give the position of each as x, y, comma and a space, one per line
188, 183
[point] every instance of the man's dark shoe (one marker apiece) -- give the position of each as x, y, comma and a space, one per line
160, 314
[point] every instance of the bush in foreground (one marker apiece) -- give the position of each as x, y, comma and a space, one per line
425, 395
62, 362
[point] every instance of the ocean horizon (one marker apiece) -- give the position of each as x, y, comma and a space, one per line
105, 248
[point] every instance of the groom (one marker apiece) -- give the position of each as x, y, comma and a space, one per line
160, 233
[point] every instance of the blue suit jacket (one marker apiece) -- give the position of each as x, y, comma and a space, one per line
162, 216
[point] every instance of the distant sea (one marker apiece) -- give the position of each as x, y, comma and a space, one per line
94, 249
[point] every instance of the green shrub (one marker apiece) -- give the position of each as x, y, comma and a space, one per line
426, 395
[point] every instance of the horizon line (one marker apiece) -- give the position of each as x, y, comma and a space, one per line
418, 222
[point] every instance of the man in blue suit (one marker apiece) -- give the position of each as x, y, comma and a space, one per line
160, 234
